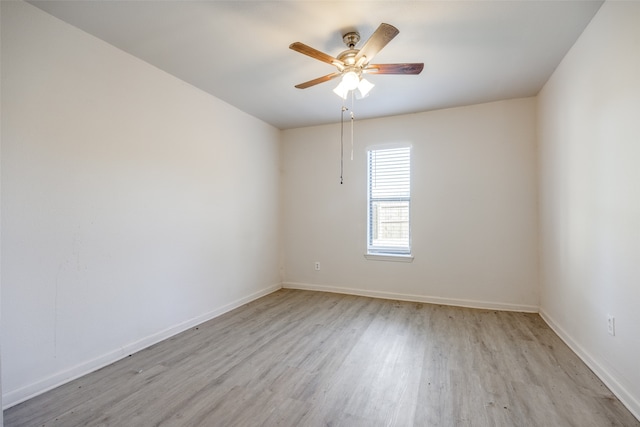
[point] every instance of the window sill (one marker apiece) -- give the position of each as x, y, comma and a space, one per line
389, 257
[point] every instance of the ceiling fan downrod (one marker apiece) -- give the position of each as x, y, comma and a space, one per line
351, 39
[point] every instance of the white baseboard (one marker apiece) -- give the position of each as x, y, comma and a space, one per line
415, 298
627, 399
15, 397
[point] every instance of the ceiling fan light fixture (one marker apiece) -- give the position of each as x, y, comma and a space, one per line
351, 80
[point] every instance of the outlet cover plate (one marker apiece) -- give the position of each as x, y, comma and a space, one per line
611, 325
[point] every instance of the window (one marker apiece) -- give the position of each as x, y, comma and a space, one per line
389, 198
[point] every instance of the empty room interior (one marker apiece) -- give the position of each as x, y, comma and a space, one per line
202, 223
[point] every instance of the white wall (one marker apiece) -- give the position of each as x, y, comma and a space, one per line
589, 127
133, 205
474, 207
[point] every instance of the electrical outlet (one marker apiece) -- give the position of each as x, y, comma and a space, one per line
611, 325
317, 266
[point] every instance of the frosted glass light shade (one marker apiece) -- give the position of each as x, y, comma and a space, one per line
364, 87
341, 90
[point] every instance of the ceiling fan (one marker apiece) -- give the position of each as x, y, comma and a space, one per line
353, 63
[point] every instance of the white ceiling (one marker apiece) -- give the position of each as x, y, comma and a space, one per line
473, 51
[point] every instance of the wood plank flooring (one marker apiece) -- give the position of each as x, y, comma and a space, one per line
300, 358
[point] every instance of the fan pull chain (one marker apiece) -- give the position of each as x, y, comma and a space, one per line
342, 143
352, 135
352, 119
342, 135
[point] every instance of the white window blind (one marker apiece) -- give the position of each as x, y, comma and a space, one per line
389, 201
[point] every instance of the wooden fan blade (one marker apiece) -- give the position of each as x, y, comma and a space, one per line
318, 80
415, 68
316, 54
379, 39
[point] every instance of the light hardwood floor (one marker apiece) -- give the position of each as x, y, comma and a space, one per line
300, 358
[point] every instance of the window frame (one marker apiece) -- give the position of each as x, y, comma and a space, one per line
388, 253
